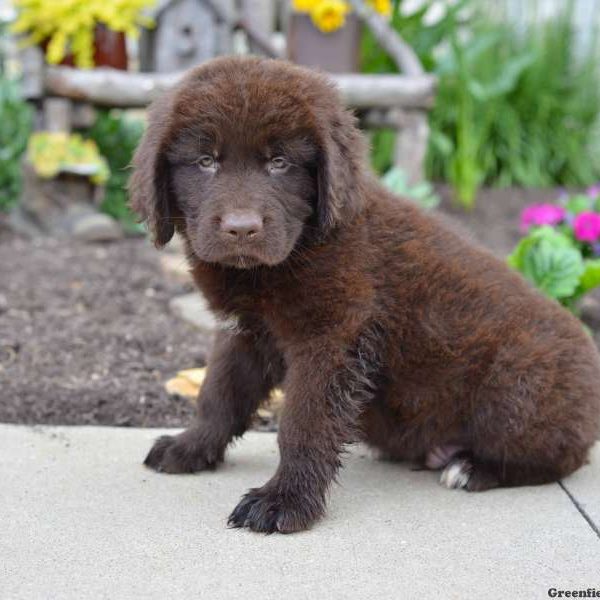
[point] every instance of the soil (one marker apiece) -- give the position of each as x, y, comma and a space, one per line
87, 337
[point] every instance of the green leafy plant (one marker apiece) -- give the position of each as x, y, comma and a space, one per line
550, 260
515, 105
117, 136
516, 108
478, 76
15, 125
421, 193
560, 253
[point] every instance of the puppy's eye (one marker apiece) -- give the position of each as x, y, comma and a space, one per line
206, 161
278, 164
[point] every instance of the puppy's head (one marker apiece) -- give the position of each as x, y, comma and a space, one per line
248, 158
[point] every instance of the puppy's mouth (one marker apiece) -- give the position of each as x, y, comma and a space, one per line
241, 261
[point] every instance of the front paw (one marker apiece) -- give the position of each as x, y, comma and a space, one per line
183, 453
269, 510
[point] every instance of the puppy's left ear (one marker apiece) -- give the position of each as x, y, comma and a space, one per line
149, 185
341, 165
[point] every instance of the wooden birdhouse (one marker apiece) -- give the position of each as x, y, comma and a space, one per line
187, 32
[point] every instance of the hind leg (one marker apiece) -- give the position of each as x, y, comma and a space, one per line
513, 451
533, 420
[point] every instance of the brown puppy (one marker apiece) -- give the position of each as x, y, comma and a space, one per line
380, 322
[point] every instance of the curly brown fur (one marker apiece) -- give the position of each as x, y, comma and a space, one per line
381, 323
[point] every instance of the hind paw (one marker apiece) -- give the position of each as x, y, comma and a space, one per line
457, 473
463, 473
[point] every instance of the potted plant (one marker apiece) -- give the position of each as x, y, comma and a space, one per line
81, 33
326, 34
560, 252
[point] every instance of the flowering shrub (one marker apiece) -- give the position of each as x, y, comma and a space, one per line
68, 25
330, 15
51, 153
560, 253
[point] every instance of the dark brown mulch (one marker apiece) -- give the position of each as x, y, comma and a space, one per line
86, 336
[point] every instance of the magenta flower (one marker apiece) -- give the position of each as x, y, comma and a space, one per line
541, 214
587, 227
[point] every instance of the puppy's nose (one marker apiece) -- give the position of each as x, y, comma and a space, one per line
241, 224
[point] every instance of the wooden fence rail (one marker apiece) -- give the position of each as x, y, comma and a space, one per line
109, 87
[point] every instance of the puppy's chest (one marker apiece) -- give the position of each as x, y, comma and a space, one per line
288, 313
294, 306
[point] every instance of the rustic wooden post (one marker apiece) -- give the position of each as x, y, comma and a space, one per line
260, 16
83, 115
411, 145
32, 63
57, 114
411, 139
389, 39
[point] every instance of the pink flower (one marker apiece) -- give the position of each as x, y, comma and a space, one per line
541, 214
586, 227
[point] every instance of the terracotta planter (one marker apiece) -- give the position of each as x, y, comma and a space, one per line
110, 49
336, 52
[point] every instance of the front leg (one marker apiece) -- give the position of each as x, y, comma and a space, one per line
325, 392
242, 370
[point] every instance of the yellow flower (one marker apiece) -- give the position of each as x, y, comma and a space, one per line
304, 6
383, 7
68, 25
52, 152
329, 15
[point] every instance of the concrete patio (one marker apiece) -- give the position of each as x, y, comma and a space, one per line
81, 518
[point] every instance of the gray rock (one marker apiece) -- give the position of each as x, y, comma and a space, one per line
96, 227
21, 223
193, 308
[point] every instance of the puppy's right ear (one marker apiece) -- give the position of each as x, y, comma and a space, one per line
149, 186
